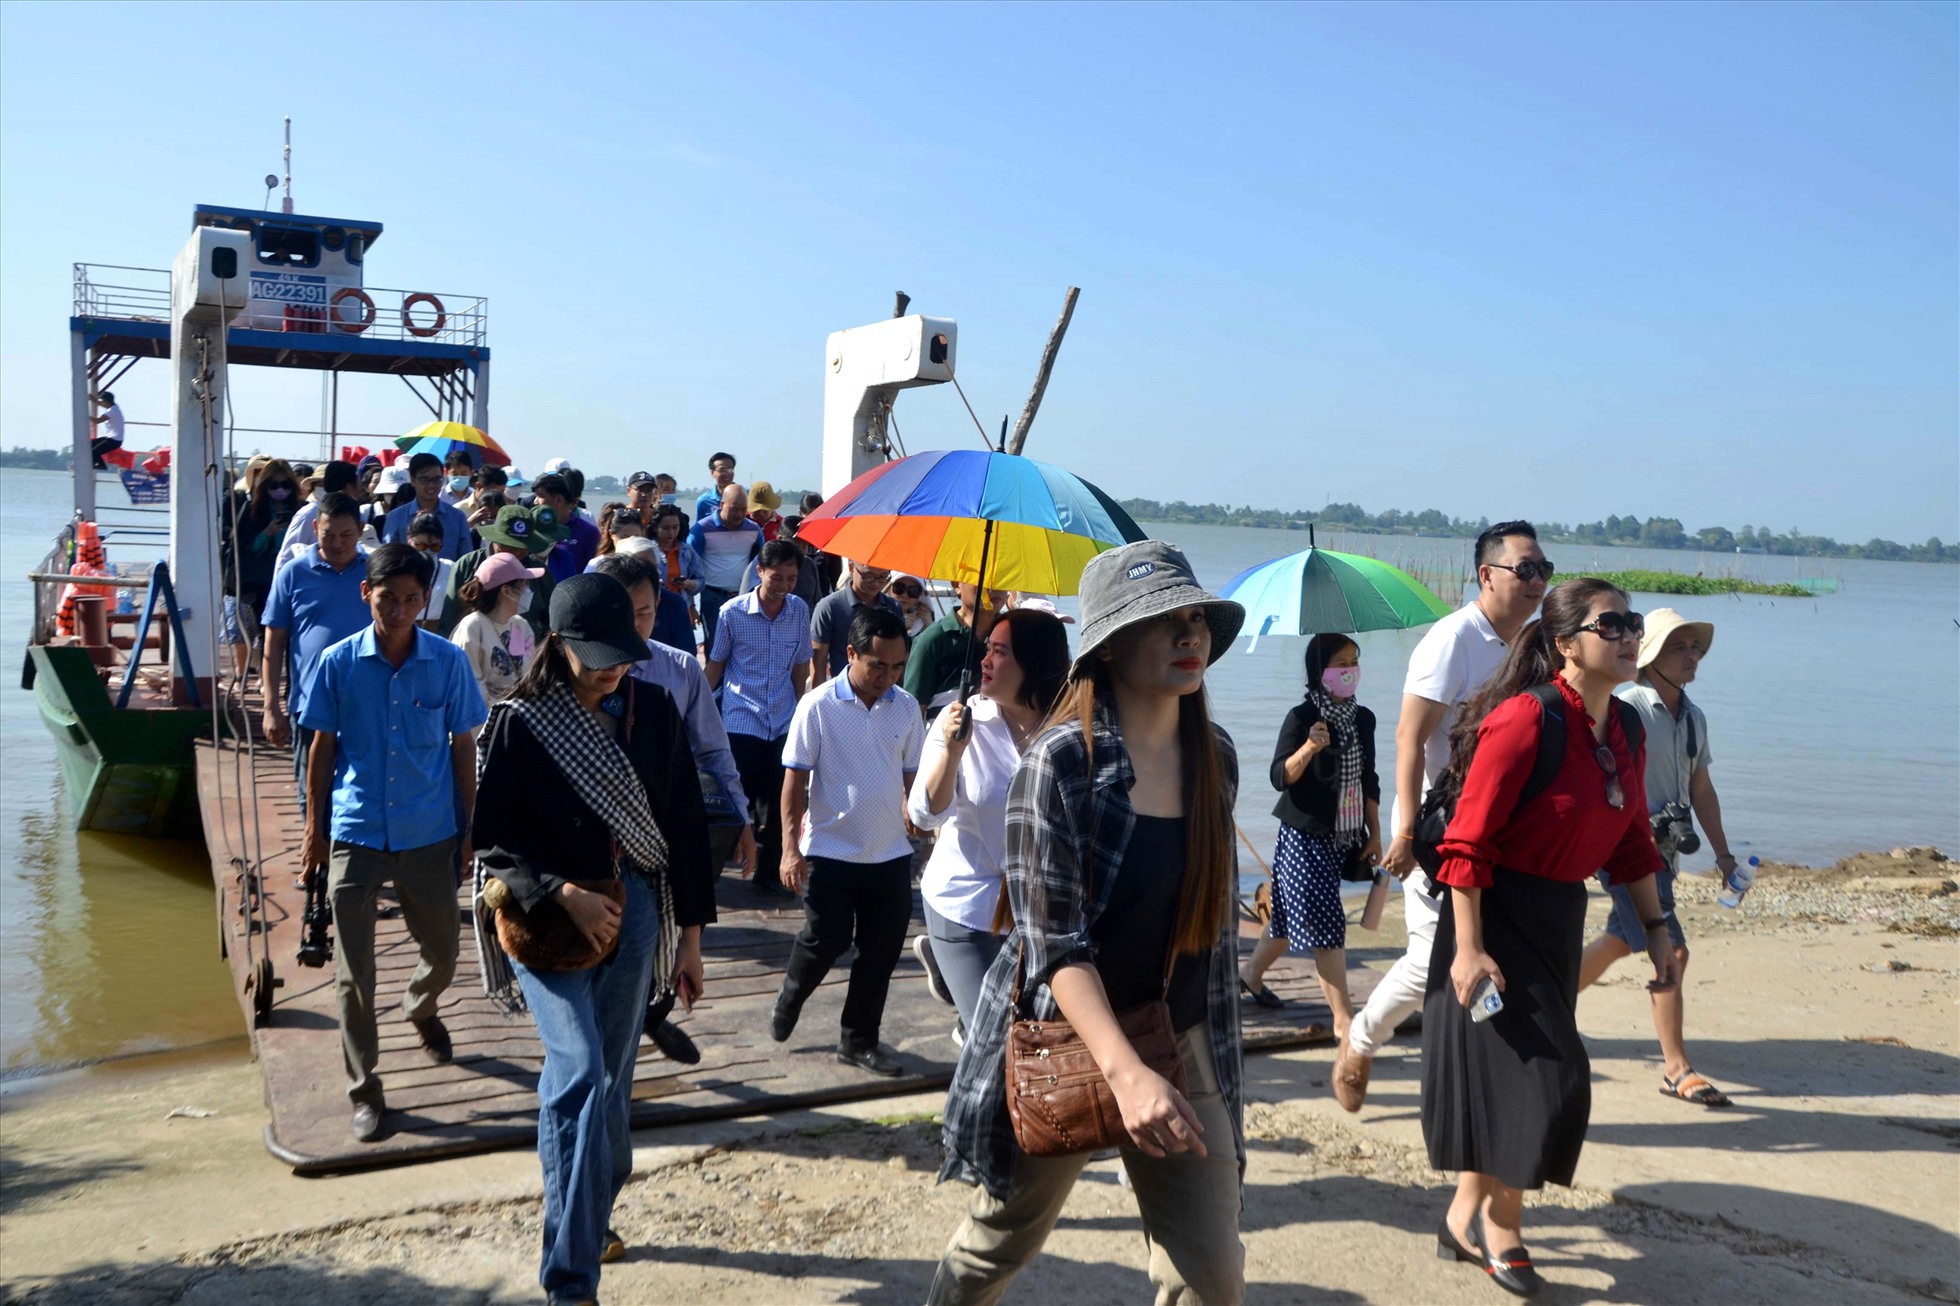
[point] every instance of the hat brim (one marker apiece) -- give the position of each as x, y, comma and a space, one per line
1225, 617
1650, 647
599, 654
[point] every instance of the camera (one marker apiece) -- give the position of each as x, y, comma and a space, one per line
316, 926
1674, 830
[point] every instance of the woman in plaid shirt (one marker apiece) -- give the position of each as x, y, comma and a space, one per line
1119, 852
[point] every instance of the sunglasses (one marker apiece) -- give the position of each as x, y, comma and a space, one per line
1615, 797
1526, 571
1616, 626
908, 589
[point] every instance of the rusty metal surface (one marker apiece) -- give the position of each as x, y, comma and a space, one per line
486, 1098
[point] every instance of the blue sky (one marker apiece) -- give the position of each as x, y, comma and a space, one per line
1558, 261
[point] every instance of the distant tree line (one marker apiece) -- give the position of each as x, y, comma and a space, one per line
40, 460
1651, 533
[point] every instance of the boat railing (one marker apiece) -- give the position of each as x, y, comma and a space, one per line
115, 291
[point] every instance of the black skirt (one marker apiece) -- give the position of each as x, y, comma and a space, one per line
1510, 1098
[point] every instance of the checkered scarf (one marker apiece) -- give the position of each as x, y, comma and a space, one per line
1350, 823
603, 777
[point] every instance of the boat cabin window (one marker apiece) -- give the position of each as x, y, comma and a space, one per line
288, 247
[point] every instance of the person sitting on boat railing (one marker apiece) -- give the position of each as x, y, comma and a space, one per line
332, 478
250, 527
108, 428
425, 536
394, 712
314, 604
425, 476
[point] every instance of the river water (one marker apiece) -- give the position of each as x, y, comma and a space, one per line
1835, 724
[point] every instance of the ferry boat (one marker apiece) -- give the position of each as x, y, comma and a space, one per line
125, 648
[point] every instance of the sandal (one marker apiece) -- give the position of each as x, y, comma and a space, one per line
1691, 1087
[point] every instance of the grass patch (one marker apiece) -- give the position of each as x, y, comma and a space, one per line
1675, 582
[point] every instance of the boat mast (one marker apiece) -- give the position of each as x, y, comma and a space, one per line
286, 204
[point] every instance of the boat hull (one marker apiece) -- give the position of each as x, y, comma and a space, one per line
128, 771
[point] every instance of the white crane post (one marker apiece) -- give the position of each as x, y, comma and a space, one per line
865, 366
207, 288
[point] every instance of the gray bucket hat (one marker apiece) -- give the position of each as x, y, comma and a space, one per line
1142, 581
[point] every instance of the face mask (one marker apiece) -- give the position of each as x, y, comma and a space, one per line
458, 484
433, 555
319, 493
1341, 682
280, 493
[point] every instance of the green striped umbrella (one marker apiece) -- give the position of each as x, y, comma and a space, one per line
1317, 590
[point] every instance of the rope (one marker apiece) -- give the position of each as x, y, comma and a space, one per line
985, 443
1249, 848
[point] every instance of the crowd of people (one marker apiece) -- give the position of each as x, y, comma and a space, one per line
639, 668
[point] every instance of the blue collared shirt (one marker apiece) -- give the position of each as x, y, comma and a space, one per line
456, 537
757, 654
680, 675
393, 784
317, 607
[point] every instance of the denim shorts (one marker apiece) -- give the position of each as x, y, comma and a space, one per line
241, 623
1625, 921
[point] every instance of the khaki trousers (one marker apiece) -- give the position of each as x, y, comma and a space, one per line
425, 881
1190, 1210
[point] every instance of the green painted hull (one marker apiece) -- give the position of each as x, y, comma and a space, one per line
129, 771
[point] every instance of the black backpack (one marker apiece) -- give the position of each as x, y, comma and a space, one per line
1439, 804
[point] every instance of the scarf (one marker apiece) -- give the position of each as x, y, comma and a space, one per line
602, 776
1350, 824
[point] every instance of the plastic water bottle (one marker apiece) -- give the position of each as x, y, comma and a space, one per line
1738, 882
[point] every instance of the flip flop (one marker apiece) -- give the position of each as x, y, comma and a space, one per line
1691, 1087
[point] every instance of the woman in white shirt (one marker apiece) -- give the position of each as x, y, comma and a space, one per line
490, 634
961, 790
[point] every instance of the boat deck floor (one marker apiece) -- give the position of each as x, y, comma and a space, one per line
486, 1098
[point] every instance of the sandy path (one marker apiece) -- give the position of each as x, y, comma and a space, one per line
1831, 1013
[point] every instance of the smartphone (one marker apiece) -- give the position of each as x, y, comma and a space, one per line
1485, 1001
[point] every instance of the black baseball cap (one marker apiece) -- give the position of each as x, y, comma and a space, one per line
593, 614
638, 479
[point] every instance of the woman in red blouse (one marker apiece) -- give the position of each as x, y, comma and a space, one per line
1506, 1101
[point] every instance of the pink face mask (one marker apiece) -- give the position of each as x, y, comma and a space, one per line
1341, 682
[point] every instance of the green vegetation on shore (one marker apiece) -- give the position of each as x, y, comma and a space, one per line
40, 460
1632, 532
1676, 582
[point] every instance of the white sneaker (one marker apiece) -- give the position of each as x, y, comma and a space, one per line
922, 949
959, 1034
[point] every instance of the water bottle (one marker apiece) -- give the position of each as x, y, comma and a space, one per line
1738, 882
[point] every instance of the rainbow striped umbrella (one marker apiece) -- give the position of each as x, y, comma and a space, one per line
947, 514
439, 438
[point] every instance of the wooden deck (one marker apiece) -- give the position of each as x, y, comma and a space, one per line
486, 1098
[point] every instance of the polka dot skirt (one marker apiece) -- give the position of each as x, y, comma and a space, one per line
1307, 910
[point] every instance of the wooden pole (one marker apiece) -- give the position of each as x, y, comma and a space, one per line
1041, 375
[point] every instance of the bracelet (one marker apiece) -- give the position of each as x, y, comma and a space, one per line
1658, 923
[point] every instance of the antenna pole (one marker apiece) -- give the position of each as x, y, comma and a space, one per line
286, 204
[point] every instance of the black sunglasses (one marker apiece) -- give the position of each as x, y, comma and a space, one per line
1526, 571
1616, 626
1615, 797
908, 589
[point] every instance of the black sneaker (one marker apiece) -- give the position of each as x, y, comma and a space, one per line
435, 1040
922, 949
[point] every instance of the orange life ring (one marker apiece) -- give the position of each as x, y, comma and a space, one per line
423, 297
367, 306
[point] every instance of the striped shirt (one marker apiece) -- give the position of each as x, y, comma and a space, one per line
757, 654
724, 551
860, 760
1061, 816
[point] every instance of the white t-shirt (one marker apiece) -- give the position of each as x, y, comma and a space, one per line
858, 759
1454, 660
496, 653
962, 879
113, 419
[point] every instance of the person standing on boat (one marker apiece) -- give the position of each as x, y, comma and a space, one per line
1506, 1099
108, 429
458, 471
725, 542
250, 526
425, 536
830, 620
1453, 660
394, 712
853, 749
1678, 781
1121, 874
761, 663
425, 478
332, 478
940, 655
721, 466
314, 604
608, 756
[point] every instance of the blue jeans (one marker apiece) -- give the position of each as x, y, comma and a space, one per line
963, 955
589, 1021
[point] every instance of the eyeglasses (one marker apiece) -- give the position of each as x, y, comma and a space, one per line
1615, 797
1616, 626
427, 481
908, 589
1526, 571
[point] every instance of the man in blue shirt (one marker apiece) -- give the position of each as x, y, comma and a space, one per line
315, 603
721, 466
761, 661
581, 543
425, 474
724, 542
394, 711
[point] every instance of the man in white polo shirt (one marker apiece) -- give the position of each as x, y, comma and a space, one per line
1454, 660
853, 749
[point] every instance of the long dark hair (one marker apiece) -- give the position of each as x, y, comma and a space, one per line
547, 669
1321, 650
1040, 644
1534, 660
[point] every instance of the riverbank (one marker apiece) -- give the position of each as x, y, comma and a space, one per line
1826, 1008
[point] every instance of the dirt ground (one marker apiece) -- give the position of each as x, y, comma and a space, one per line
1828, 1007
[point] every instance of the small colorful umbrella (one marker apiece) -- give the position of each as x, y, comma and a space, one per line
439, 438
1316, 590
954, 514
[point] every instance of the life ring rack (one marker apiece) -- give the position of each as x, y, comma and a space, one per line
423, 297
367, 310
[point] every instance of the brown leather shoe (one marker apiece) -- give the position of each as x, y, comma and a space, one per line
1351, 1077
